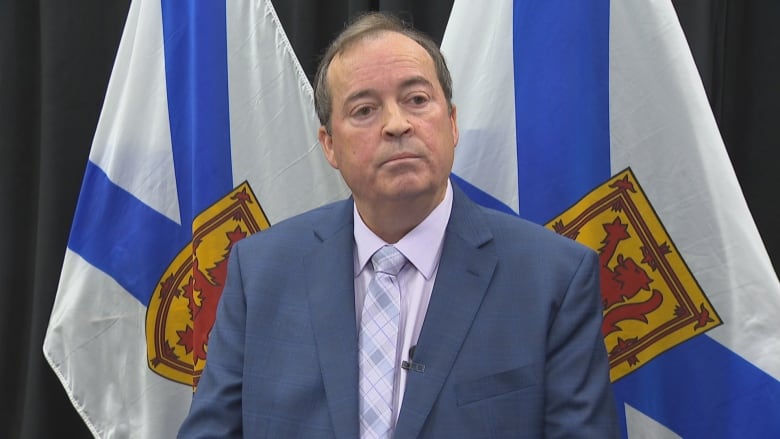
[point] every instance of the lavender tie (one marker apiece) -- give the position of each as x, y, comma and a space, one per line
377, 342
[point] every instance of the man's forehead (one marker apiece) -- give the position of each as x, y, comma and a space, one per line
364, 43
372, 36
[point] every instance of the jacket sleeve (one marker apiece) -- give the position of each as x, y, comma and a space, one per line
216, 410
579, 399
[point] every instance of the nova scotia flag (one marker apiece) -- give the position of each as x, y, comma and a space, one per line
205, 97
554, 98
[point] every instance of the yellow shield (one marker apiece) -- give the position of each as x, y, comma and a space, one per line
182, 308
651, 300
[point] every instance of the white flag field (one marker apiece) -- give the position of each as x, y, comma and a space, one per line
588, 117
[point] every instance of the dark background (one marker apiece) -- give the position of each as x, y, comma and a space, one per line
55, 62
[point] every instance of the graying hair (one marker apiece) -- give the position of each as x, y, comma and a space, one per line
362, 27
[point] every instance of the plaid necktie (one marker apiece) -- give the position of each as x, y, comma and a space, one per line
378, 342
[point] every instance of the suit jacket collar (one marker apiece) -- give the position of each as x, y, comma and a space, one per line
465, 271
461, 282
331, 288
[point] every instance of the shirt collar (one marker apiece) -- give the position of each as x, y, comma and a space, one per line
421, 246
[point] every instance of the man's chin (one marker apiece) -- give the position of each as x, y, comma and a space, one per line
414, 192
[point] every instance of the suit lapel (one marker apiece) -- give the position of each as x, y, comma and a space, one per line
330, 283
463, 277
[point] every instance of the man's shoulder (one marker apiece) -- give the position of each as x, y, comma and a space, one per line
301, 229
516, 232
507, 233
316, 217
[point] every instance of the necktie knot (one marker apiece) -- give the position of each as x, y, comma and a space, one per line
388, 260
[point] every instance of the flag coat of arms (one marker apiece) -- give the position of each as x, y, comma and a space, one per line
590, 117
207, 134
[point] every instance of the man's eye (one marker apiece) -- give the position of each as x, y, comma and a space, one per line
362, 111
418, 99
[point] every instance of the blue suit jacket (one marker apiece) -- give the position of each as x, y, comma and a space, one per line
511, 342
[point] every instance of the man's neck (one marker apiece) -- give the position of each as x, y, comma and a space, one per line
392, 220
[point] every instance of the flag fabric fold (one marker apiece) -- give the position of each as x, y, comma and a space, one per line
207, 134
572, 97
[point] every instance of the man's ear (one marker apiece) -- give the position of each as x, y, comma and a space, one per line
326, 141
454, 121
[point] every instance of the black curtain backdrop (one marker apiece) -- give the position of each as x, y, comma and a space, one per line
55, 62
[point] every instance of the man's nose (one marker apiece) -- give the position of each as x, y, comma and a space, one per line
396, 121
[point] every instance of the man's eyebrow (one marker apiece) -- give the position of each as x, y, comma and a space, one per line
407, 83
359, 95
416, 80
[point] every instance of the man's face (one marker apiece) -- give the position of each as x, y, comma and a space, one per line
392, 136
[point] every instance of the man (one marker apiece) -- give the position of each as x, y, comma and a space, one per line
493, 324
